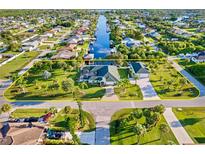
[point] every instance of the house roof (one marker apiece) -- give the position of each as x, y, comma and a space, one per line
103, 70
138, 67
64, 55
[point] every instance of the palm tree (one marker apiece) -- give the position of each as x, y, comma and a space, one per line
83, 85
163, 128
5, 108
81, 114
52, 110
136, 78
139, 130
76, 92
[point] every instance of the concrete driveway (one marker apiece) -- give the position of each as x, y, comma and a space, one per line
110, 94
147, 89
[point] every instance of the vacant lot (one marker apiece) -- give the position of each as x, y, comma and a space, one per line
15, 65
60, 121
168, 83
36, 87
123, 133
193, 120
197, 70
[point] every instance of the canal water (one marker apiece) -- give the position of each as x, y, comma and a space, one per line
101, 47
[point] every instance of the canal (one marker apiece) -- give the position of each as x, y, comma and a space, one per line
101, 47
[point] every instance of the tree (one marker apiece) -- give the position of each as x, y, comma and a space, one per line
67, 109
136, 78
140, 130
76, 92
83, 85
54, 86
163, 128
137, 113
6, 108
159, 108
67, 85
81, 114
52, 110
46, 75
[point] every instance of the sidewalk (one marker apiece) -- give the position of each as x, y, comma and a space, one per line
176, 127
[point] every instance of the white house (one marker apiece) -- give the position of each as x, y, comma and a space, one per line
29, 46
200, 58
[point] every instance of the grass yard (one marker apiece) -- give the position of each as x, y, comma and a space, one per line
11, 52
26, 113
193, 120
124, 73
3, 59
124, 135
59, 122
131, 92
197, 70
15, 65
37, 88
168, 83
44, 47
53, 39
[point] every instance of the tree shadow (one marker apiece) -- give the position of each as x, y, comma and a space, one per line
190, 121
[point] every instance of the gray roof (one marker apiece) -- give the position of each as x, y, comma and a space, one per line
103, 70
138, 67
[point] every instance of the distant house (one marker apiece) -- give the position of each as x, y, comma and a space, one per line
100, 74
154, 34
200, 58
65, 54
131, 42
138, 69
29, 46
70, 47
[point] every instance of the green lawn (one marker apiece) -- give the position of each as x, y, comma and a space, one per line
126, 136
193, 120
36, 88
52, 39
124, 73
15, 65
44, 47
132, 92
3, 59
168, 83
11, 52
197, 70
59, 121
26, 113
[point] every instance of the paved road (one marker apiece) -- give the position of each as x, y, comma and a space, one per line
179, 132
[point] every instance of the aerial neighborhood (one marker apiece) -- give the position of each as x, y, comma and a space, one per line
102, 77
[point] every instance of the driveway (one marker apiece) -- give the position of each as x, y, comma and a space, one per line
110, 94
179, 132
147, 89
102, 133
